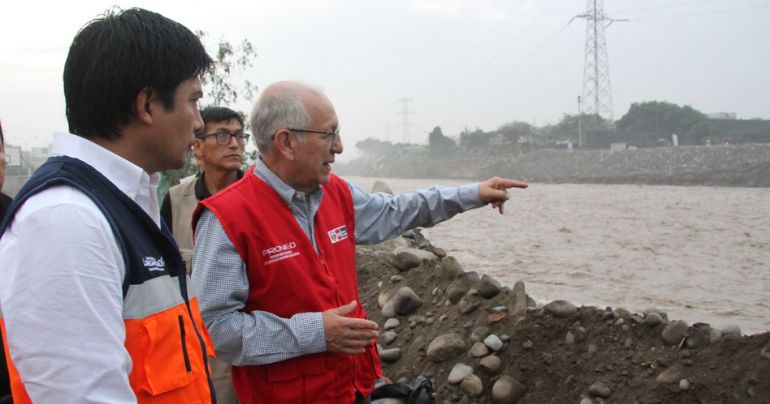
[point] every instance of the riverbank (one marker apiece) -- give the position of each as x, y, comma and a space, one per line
479, 341
724, 165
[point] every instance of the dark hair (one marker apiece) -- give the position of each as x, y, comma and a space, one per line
115, 57
217, 114
2, 138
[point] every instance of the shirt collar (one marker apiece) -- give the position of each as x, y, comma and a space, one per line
125, 175
201, 191
286, 192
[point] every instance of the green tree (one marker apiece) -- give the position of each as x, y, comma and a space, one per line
512, 131
662, 117
438, 144
475, 138
221, 87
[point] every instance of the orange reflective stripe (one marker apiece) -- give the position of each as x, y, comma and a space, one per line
168, 367
18, 391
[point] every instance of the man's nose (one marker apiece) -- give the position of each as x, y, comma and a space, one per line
337, 145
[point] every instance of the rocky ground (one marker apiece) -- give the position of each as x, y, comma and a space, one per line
480, 342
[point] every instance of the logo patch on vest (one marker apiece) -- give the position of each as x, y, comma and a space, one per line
338, 234
154, 264
280, 252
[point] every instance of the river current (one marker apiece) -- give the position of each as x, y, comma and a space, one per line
701, 254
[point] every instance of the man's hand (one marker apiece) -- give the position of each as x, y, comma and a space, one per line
494, 191
345, 334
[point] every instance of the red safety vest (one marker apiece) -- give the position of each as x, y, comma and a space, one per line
286, 277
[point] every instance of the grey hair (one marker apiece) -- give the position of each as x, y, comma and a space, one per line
274, 112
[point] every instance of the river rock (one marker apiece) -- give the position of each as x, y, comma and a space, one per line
652, 319
405, 301
488, 287
445, 346
469, 302
406, 259
458, 373
498, 309
458, 288
493, 342
385, 296
670, 375
440, 252
731, 331
674, 332
450, 268
388, 337
507, 390
490, 363
519, 299
479, 333
389, 401
600, 389
381, 186
714, 335
561, 308
390, 355
472, 385
479, 350
388, 310
391, 323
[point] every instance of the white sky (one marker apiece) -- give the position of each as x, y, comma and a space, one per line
463, 63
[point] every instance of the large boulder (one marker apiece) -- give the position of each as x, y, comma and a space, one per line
445, 346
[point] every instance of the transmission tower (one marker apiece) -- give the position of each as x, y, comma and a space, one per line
597, 96
405, 117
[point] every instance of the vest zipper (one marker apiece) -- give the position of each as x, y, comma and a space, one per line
184, 345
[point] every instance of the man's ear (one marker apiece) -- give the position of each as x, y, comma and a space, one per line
285, 144
197, 148
143, 105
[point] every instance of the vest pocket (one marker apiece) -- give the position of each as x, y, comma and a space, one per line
166, 362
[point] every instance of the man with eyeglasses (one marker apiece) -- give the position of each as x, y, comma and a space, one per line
218, 150
275, 256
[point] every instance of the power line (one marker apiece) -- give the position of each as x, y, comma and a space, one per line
697, 14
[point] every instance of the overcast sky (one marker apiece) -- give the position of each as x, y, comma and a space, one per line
461, 63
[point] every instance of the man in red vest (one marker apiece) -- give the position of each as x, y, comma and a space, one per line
275, 256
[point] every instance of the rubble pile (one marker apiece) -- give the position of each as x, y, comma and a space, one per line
482, 342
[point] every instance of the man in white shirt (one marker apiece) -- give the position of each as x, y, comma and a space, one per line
93, 293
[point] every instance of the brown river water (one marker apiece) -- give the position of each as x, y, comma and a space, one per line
701, 254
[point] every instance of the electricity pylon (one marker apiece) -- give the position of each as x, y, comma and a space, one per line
597, 94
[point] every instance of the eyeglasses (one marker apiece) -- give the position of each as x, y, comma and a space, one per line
224, 137
328, 135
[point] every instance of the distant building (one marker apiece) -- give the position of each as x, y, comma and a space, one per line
22, 163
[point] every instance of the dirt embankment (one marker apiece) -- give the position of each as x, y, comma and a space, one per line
480, 342
724, 165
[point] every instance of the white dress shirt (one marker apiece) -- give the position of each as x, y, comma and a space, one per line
61, 276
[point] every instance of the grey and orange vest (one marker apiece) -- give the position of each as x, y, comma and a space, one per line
165, 335
183, 203
287, 276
